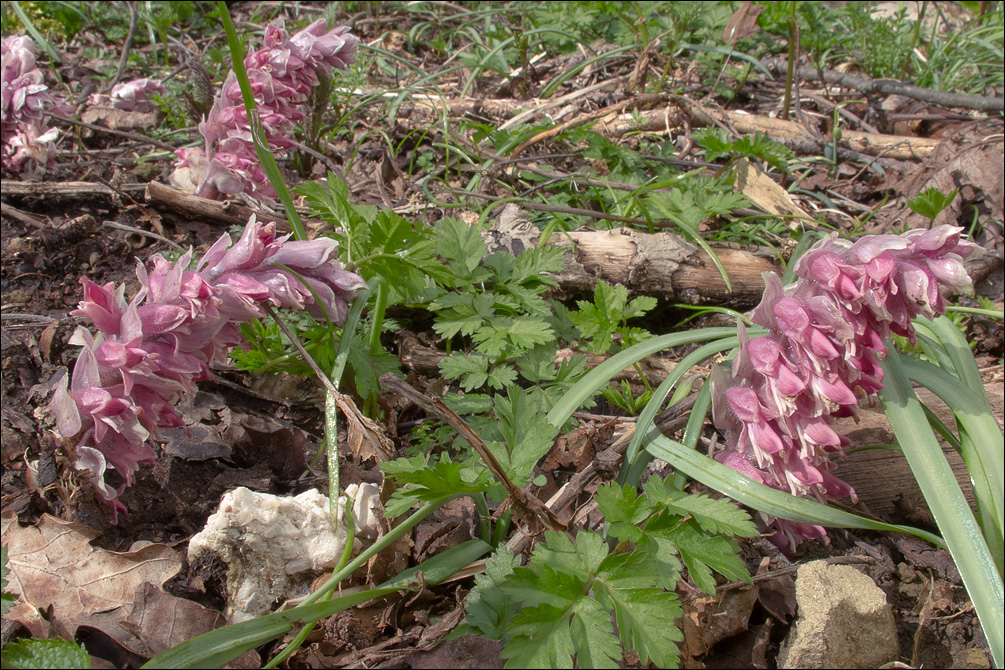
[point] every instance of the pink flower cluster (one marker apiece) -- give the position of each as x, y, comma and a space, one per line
826, 336
282, 74
135, 95
26, 101
149, 352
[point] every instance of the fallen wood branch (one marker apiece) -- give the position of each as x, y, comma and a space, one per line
228, 211
660, 264
64, 190
894, 87
872, 144
897, 488
668, 119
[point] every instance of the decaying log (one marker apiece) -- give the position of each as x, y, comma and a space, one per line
63, 190
872, 144
192, 205
661, 264
881, 477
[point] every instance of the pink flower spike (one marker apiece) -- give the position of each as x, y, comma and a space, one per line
826, 334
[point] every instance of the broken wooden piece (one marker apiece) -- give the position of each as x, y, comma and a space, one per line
659, 264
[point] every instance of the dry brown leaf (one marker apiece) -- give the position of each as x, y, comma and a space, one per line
768, 196
711, 619
120, 119
366, 439
161, 621
53, 565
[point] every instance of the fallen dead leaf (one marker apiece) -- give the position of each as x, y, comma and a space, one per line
762, 190
709, 620
55, 570
120, 119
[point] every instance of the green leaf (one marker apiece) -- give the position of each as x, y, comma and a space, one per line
930, 203
539, 637
525, 430
978, 567
598, 377
544, 585
624, 509
402, 253
474, 371
520, 333
468, 403
580, 559
703, 553
763, 498
596, 644
429, 482
713, 515
368, 367
45, 654
647, 622
488, 610
461, 245
532, 264
461, 313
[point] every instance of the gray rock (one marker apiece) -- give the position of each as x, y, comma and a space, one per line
844, 621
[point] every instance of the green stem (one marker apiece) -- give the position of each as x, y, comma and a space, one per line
377, 547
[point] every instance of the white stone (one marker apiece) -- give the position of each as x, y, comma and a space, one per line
274, 546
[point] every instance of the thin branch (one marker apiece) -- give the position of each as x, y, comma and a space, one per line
435, 406
124, 58
135, 137
893, 87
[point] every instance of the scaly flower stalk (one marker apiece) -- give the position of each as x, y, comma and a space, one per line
282, 74
826, 336
149, 352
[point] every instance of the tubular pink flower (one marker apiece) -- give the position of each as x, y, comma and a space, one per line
25, 102
150, 352
826, 334
135, 95
281, 75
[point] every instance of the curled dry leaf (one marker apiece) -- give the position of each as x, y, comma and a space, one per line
52, 565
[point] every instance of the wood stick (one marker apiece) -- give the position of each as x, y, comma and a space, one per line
661, 264
227, 211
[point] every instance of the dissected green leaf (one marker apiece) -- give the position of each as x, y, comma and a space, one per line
539, 637
702, 552
524, 429
516, 334
647, 622
487, 609
462, 247
624, 509
713, 515
475, 371
596, 644
423, 482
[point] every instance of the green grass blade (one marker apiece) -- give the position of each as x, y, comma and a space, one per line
34, 32
596, 379
981, 445
632, 466
222, 645
945, 499
696, 237
728, 481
